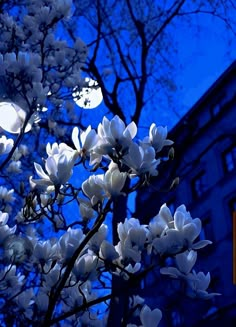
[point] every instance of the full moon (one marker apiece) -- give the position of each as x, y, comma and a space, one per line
12, 118
88, 97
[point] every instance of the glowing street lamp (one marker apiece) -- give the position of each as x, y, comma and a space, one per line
88, 97
12, 118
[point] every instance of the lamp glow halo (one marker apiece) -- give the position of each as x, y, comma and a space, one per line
88, 97
12, 118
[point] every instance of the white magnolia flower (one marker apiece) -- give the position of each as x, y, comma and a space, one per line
11, 280
85, 209
20, 151
14, 167
5, 230
108, 252
178, 232
114, 181
58, 149
6, 195
135, 304
110, 184
45, 251
23, 149
197, 285
127, 270
96, 241
86, 267
24, 302
132, 239
133, 268
157, 137
51, 277
141, 160
41, 301
17, 248
72, 296
69, 242
133, 224
157, 226
184, 262
58, 166
135, 300
150, 318
84, 141
5, 145
93, 188
115, 135
3, 218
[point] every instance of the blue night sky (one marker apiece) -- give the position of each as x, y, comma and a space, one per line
203, 57
204, 52
203, 49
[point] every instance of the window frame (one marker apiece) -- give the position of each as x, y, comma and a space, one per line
217, 106
229, 151
201, 177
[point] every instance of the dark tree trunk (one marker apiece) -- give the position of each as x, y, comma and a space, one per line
118, 304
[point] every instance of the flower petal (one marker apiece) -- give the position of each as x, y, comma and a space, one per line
150, 318
75, 138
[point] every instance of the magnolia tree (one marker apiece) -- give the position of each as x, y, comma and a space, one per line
48, 280
57, 257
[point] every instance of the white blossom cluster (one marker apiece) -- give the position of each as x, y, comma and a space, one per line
32, 267
37, 66
60, 277
5, 145
113, 143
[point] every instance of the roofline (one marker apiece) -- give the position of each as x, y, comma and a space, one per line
220, 80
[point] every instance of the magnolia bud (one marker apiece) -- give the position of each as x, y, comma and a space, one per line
175, 183
171, 153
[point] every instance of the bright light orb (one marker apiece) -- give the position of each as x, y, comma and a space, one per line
88, 97
12, 118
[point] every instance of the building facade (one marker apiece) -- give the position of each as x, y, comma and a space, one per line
205, 162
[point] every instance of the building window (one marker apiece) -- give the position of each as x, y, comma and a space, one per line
199, 185
229, 159
216, 109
